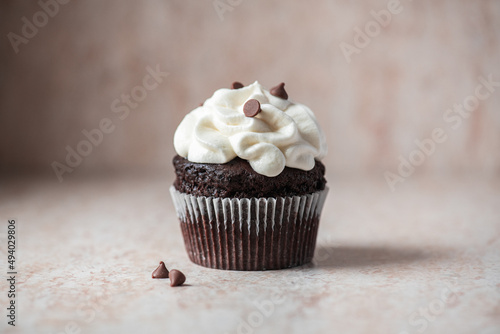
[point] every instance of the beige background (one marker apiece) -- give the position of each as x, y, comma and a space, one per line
90, 244
394, 91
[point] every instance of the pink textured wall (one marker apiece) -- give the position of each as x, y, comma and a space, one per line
393, 91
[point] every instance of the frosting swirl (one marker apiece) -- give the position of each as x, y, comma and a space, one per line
283, 133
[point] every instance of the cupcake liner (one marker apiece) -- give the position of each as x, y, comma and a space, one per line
249, 233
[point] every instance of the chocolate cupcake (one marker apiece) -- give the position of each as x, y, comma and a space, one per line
249, 185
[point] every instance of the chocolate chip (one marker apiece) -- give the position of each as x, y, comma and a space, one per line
279, 91
237, 85
161, 271
251, 108
176, 278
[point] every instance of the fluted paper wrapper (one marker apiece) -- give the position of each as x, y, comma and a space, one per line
249, 233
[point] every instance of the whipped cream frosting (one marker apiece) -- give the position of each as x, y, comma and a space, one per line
284, 133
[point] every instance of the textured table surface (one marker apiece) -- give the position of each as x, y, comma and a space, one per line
422, 259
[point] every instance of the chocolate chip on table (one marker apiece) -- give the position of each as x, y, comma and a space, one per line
251, 108
279, 91
236, 85
161, 271
176, 277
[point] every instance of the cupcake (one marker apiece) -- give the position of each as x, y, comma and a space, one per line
249, 184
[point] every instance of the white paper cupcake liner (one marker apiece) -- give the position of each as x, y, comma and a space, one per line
249, 233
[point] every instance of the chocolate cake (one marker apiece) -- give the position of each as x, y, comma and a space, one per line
237, 179
240, 204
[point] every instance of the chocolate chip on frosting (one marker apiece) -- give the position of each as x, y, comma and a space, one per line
279, 91
251, 108
176, 277
236, 85
161, 271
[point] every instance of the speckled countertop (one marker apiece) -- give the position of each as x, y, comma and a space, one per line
422, 259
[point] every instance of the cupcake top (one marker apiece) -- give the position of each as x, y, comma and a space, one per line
257, 125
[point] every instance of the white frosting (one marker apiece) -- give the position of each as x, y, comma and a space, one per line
283, 134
